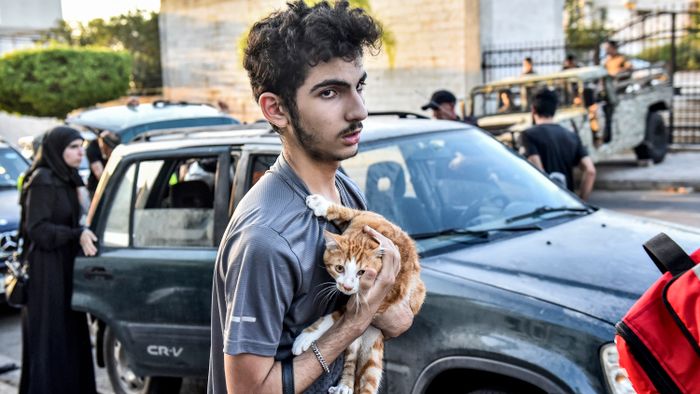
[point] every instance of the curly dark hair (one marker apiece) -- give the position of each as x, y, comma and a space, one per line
284, 46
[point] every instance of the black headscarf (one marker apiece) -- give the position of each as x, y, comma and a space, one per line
50, 155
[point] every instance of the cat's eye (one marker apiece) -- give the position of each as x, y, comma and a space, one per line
339, 268
360, 272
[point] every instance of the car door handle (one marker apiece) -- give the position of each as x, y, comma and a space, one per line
97, 273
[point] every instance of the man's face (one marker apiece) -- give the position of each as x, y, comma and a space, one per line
610, 50
445, 111
330, 109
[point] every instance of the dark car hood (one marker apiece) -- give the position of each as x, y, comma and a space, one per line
9, 209
594, 265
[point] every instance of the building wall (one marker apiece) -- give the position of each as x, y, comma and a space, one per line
438, 46
27, 15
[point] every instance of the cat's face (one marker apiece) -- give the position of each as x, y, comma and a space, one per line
347, 258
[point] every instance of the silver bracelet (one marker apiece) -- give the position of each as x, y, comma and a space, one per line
319, 357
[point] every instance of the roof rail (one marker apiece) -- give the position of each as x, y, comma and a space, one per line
185, 132
400, 114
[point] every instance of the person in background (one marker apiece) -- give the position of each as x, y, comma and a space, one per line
554, 149
527, 67
570, 62
98, 152
615, 62
56, 350
443, 103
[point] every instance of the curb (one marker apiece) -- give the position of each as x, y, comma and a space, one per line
645, 184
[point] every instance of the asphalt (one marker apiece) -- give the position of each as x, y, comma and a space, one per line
680, 170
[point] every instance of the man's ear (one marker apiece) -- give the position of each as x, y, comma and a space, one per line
273, 110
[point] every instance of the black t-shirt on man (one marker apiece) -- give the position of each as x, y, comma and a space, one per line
559, 149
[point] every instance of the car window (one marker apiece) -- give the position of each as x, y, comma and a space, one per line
116, 233
261, 163
458, 179
11, 166
174, 204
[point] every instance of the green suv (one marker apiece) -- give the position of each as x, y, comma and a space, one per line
525, 282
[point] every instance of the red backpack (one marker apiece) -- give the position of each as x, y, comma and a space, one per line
658, 340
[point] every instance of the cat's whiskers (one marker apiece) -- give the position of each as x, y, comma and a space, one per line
327, 293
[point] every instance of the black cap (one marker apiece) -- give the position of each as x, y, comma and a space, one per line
439, 97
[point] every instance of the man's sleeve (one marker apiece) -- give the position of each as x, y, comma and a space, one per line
261, 281
530, 148
93, 152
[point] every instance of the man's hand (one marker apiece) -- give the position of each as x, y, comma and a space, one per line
374, 287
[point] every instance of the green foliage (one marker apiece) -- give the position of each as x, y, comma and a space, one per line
687, 53
388, 39
136, 32
579, 33
54, 81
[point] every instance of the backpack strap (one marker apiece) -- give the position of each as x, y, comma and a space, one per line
667, 255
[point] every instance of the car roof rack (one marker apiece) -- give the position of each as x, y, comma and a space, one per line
185, 132
400, 114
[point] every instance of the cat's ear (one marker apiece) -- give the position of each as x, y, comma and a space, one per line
331, 240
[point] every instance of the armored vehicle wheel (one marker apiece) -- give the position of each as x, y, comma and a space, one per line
124, 380
655, 142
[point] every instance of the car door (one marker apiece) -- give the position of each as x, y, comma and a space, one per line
159, 226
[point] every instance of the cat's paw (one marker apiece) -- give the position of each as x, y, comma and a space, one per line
303, 342
340, 389
318, 204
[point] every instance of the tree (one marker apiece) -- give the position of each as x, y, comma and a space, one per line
137, 32
582, 35
57, 80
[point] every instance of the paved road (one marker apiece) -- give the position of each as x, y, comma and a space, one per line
682, 208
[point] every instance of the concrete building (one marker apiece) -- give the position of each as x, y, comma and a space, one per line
21, 21
438, 46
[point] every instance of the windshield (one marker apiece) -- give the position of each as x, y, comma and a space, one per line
463, 179
11, 166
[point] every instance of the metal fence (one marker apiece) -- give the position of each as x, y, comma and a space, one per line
667, 38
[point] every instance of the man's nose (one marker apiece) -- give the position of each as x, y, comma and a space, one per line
357, 111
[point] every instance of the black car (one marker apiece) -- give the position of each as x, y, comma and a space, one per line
525, 282
12, 165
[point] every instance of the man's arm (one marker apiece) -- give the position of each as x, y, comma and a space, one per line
587, 177
248, 373
536, 161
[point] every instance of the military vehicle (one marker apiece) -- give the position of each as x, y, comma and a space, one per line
610, 114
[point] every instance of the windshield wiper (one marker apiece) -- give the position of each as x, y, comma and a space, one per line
545, 209
480, 233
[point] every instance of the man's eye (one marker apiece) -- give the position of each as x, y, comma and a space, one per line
329, 93
339, 268
361, 86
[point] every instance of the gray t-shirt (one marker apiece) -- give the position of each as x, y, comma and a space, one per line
269, 273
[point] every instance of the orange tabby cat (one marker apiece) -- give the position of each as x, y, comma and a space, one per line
346, 257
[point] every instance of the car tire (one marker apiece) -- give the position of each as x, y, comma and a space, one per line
124, 380
655, 144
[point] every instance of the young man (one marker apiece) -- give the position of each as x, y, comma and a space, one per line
615, 62
305, 68
554, 149
527, 67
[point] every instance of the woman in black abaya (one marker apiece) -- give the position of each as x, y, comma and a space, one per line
56, 351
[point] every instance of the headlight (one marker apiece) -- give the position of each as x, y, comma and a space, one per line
615, 375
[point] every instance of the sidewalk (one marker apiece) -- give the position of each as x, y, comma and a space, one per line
680, 169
